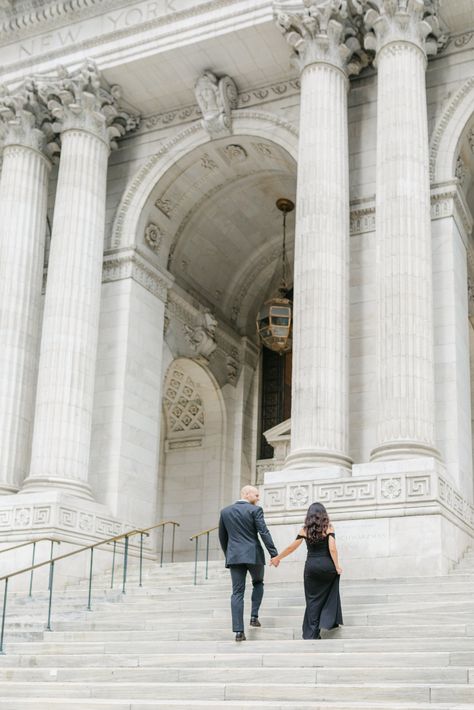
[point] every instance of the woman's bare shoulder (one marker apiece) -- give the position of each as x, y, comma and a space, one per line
330, 528
302, 532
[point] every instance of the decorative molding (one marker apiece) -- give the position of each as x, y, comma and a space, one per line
246, 99
130, 264
32, 517
447, 113
362, 216
447, 200
403, 492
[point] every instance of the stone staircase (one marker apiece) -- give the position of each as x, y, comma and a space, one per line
407, 644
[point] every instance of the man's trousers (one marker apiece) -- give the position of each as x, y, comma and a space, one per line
238, 575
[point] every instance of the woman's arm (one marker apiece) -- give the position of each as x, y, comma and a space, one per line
288, 550
333, 550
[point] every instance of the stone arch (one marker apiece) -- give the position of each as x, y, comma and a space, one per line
448, 131
192, 469
251, 123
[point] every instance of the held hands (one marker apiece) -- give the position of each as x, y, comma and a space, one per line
339, 570
274, 562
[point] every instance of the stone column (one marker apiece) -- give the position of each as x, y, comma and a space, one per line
23, 200
326, 53
402, 34
87, 119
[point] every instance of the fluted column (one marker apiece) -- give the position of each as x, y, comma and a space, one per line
86, 118
23, 201
402, 34
326, 53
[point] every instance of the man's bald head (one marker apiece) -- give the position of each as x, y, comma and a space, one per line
251, 494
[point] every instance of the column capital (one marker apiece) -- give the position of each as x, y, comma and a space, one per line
325, 32
79, 100
389, 22
25, 120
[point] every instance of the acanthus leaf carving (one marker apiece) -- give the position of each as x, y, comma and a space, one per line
414, 21
325, 31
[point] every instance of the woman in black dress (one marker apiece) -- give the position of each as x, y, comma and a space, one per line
321, 572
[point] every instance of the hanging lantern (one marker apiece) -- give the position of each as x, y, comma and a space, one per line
275, 318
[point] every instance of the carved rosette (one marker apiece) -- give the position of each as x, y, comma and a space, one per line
25, 120
79, 101
325, 32
413, 21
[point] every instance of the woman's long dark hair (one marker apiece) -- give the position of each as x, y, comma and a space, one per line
316, 523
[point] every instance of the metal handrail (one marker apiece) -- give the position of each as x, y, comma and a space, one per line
196, 538
29, 542
162, 525
34, 542
53, 560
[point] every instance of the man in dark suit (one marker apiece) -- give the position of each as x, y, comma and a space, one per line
239, 526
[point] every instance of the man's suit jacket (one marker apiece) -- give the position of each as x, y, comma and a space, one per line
239, 524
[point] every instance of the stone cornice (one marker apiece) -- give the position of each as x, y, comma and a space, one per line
447, 200
122, 264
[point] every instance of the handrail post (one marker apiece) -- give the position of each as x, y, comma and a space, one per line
51, 576
172, 542
113, 565
141, 560
162, 544
125, 561
89, 608
207, 555
51, 555
32, 571
2, 632
196, 561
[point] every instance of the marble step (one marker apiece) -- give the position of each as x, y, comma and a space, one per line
189, 704
220, 629
300, 674
228, 645
275, 691
245, 658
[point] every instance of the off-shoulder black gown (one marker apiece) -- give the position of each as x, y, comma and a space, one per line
321, 589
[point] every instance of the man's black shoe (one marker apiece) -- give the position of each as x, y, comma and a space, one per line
240, 636
254, 621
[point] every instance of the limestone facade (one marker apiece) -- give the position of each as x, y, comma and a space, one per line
143, 148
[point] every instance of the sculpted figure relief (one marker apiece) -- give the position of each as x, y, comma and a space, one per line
216, 99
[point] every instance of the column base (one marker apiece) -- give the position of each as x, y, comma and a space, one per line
6, 489
315, 459
393, 519
78, 489
398, 450
73, 522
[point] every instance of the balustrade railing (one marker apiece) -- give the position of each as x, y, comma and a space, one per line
52, 562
